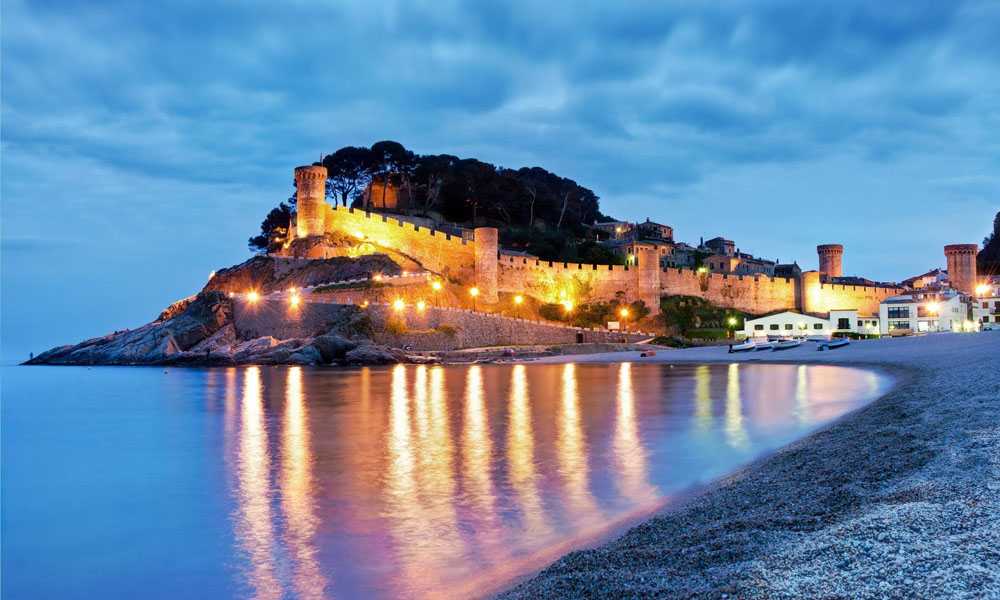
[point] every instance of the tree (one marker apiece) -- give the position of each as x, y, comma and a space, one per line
348, 171
273, 229
387, 157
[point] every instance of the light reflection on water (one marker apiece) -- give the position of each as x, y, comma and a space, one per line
399, 482
471, 473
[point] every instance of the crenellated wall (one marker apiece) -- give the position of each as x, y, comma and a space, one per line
546, 280
436, 251
756, 295
818, 297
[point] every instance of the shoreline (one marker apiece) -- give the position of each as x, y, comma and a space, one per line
898, 499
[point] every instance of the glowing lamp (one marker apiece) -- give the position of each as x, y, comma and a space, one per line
398, 305
295, 299
624, 312
981, 289
474, 292
436, 285
421, 305
703, 269
933, 307
364, 304
732, 321
518, 299
405, 273
253, 296
377, 277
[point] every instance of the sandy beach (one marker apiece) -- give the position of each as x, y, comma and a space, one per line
900, 499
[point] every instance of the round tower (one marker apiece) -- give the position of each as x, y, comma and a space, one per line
962, 266
648, 279
487, 252
830, 257
311, 185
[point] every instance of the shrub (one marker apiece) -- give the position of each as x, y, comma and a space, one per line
396, 326
447, 329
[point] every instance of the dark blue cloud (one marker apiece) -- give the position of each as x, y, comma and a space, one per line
162, 132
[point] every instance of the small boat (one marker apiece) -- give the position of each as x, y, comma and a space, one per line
744, 347
764, 346
787, 344
773, 337
834, 343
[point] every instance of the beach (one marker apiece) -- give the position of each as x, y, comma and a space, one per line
899, 499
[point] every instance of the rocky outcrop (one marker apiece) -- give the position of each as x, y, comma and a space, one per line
202, 329
266, 274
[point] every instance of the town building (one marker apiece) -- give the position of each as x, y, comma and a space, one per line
739, 264
654, 231
787, 271
719, 245
923, 312
986, 306
795, 324
616, 230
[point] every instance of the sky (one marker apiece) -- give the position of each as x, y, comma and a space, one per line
143, 142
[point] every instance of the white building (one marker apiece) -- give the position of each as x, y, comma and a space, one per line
986, 308
919, 312
792, 324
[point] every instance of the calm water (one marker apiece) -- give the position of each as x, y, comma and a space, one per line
407, 481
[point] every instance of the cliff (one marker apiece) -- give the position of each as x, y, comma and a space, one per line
203, 330
988, 260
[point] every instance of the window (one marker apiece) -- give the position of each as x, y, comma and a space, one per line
899, 312
986, 304
758, 327
843, 323
788, 325
860, 323
817, 326
774, 326
898, 325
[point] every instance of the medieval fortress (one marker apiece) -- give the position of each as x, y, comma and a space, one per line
477, 259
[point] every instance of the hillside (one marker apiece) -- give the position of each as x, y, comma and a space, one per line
988, 260
535, 210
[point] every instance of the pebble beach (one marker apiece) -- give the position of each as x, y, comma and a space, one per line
899, 499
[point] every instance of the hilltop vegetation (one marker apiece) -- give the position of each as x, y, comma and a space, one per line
988, 260
535, 210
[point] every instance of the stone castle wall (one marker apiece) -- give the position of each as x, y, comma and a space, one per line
757, 295
436, 251
554, 281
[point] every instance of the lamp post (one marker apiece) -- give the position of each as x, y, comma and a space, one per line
732, 327
436, 286
517, 302
474, 292
624, 313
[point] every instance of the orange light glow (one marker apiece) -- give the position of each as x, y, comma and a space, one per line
295, 299
377, 277
474, 292
518, 299
398, 305
421, 305
436, 285
253, 296
624, 312
933, 307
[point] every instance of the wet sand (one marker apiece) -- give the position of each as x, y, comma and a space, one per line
900, 499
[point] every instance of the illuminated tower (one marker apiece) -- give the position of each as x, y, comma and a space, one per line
311, 185
487, 249
830, 257
962, 266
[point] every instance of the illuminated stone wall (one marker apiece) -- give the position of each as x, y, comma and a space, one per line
962, 266
757, 295
548, 281
436, 251
310, 184
820, 297
831, 259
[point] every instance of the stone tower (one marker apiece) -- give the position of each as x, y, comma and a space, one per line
830, 257
311, 185
962, 266
648, 279
487, 253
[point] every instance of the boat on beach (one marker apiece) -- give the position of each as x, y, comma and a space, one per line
787, 344
834, 343
768, 345
746, 346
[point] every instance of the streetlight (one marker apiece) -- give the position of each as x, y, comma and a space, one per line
295, 299
377, 277
398, 305
624, 313
474, 292
981, 290
517, 301
421, 305
253, 296
436, 286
